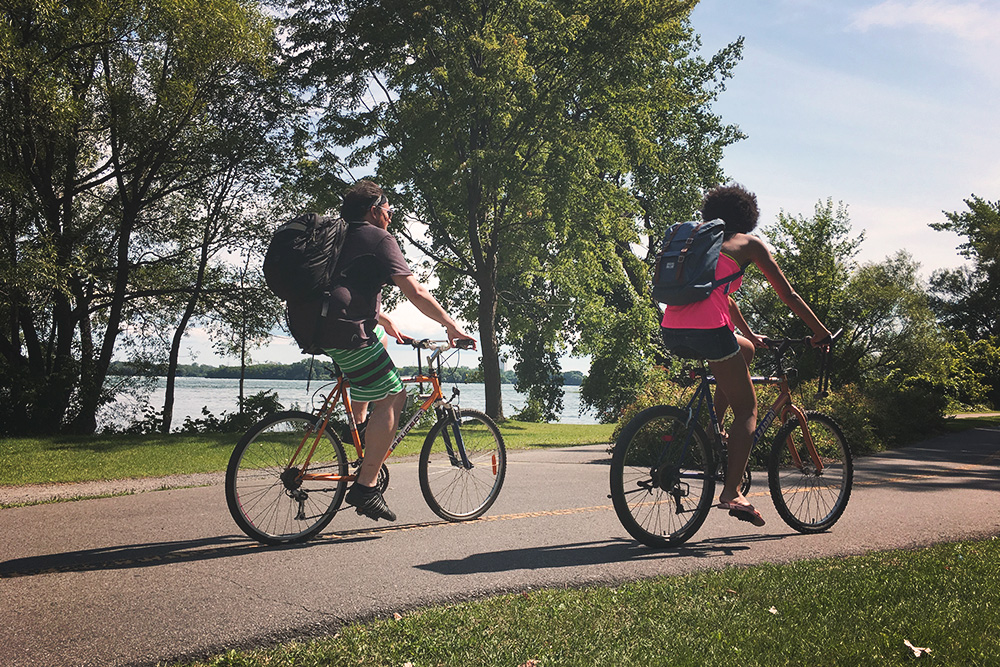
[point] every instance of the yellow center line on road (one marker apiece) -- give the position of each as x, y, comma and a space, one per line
347, 534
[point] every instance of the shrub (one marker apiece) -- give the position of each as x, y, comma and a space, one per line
662, 386
255, 408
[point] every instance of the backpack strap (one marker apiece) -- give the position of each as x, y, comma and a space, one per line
729, 280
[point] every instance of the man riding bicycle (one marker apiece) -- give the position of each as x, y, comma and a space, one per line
370, 259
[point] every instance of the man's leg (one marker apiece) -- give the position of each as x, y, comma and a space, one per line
363, 494
380, 432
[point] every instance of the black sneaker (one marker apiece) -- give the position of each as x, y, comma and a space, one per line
369, 501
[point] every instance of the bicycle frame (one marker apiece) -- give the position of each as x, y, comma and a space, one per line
341, 394
782, 407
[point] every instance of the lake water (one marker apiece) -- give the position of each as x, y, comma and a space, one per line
220, 395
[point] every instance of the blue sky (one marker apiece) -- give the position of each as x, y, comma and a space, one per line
889, 107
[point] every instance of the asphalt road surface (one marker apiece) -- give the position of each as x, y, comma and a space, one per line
162, 575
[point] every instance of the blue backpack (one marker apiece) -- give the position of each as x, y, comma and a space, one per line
685, 265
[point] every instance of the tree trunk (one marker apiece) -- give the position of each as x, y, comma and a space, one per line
490, 350
189, 308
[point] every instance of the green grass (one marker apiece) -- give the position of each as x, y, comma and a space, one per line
77, 459
835, 611
955, 425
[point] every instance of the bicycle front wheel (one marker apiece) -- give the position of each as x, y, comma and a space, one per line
662, 477
265, 489
458, 489
808, 497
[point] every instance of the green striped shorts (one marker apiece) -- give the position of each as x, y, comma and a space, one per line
370, 370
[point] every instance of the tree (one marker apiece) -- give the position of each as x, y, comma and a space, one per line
115, 110
968, 298
882, 307
619, 331
513, 134
817, 255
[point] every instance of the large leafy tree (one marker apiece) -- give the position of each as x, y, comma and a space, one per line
620, 329
818, 255
519, 137
882, 307
968, 298
115, 110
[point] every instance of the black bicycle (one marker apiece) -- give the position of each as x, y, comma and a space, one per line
664, 467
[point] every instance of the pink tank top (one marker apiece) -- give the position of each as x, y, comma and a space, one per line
711, 313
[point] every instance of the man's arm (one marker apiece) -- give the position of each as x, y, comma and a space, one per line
425, 302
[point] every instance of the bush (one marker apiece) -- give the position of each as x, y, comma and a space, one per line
974, 373
906, 410
255, 408
853, 410
532, 412
662, 386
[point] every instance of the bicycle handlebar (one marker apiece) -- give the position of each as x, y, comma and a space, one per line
780, 345
785, 343
442, 345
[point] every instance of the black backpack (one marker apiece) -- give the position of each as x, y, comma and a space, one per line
302, 256
685, 266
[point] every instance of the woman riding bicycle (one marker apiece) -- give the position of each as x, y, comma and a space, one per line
706, 330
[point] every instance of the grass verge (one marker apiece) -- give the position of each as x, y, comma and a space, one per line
859, 610
86, 458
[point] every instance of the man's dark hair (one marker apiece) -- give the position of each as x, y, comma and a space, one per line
361, 197
733, 204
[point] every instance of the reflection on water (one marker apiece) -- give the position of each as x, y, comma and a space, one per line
220, 395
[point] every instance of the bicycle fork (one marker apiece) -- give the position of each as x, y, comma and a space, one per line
453, 418
807, 440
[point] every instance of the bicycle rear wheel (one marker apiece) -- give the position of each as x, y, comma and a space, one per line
810, 500
662, 477
265, 494
453, 490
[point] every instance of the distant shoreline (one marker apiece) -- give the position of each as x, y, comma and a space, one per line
306, 370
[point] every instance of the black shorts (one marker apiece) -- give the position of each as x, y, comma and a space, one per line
709, 344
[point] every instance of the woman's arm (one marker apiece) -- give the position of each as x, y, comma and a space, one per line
737, 317
761, 256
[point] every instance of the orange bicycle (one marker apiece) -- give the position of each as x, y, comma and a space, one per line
287, 477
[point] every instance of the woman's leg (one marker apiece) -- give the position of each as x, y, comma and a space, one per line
732, 378
721, 400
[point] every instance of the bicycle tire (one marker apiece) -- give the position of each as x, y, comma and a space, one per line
808, 501
265, 499
452, 491
662, 504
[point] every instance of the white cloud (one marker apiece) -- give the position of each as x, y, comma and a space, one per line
968, 21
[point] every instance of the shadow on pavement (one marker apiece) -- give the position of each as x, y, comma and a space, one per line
967, 461
589, 553
180, 551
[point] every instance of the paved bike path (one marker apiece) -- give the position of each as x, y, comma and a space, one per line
137, 579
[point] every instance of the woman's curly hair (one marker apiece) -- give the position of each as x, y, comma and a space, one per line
733, 204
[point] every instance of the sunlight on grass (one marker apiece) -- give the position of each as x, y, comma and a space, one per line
861, 610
